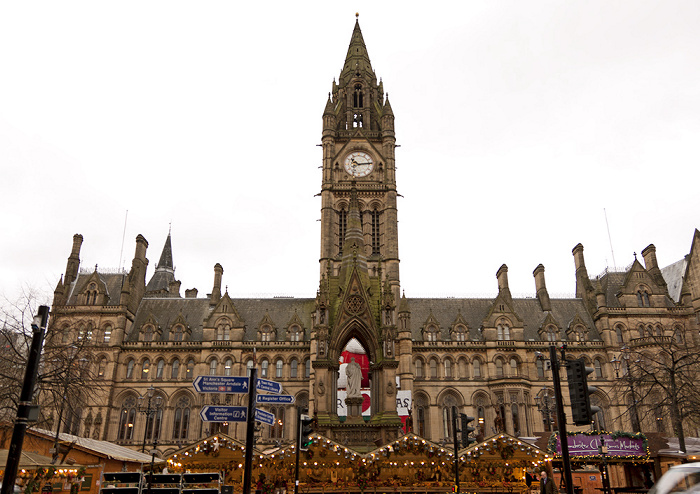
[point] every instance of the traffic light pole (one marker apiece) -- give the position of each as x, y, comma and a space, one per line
456, 443
250, 430
296, 467
561, 417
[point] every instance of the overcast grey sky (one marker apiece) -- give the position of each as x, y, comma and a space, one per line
519, 122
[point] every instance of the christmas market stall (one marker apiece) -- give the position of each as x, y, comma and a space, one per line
500, 464
622, 458
218, 453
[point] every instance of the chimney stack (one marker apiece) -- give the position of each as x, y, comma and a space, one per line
541, 288
216, 291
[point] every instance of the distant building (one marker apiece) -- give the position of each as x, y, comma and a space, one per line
478, 355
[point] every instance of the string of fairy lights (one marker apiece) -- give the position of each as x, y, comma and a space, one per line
325, 453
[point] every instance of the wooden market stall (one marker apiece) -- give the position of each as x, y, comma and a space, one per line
410, 464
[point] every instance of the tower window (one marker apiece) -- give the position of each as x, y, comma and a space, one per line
375, 231
342, 226
357, 97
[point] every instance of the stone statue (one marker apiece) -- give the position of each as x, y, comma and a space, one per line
354, 374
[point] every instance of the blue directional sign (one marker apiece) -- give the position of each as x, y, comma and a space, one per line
213, 413
270, 386
265, 417
277, 399
221, 384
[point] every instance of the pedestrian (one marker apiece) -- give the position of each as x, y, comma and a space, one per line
547, 485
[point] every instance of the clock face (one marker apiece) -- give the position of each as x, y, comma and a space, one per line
358, 164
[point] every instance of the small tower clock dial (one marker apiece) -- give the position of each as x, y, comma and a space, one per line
359, 164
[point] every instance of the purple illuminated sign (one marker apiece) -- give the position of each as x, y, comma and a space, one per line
584, 445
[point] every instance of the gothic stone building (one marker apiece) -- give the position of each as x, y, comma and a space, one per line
480, 355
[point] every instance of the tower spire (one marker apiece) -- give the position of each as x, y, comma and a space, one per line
357, 59
165, 270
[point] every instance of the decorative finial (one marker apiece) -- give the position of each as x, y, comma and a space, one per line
170, 227
635, 256
357, 15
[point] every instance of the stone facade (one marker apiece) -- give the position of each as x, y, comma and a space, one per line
480, 355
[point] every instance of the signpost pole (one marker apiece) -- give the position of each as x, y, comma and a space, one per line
561, 418
296, 467
250, 432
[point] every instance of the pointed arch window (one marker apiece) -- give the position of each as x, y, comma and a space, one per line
228, 364
102, 367
264, 367
175, 369
160, 366
499, 367
422, 417
106, 334
178, 333
223, 332
278, 368
643, 297
294, 333
418, 365
433, 368
145, 367
448, 403
448, 369
307, 368
130, 369
539, 363
514, 367
249, 365
213, 367
618, 334
148, 333
189, 371
357, 99
181, 418
477, 369
598, 367
503, 331
127, 415
293, 369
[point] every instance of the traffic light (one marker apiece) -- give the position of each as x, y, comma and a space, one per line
305, 431
580, 392
466, 430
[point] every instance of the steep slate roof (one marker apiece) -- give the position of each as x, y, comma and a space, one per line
197, 310
673, 275
611, 283
113, 282
474, 311
165, 270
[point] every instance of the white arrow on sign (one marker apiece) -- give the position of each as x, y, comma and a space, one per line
269, 386
277, 399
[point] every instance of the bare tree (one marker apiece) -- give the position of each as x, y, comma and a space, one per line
66, 380
661, 372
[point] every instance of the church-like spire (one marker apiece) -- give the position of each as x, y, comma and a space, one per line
166, 257
165, 270
357, 60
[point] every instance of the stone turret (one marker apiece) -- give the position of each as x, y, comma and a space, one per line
135, 286
541, 288
652, 265
503, 290
216, 291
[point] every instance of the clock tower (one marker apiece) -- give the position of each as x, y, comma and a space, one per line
359, 286
358, 151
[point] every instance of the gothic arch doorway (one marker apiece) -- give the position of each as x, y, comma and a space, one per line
354, 379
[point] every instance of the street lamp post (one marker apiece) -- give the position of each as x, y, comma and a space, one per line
152, 407
546, 406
